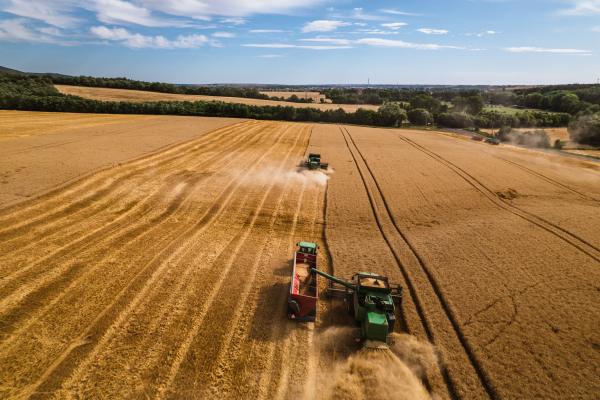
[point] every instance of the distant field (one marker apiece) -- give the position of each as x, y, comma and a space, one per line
105, 94
513, 111
303, 95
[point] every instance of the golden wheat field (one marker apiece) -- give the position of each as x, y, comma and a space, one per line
106, 94
156, 262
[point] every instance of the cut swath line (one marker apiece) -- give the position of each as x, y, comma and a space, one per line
199, 320
63, 210
66, 291
116, 304
84, 241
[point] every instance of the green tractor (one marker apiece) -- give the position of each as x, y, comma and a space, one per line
313, 162
372, 302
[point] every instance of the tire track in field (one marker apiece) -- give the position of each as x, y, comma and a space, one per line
419, 279
72, 211
106, 323
47, 293
572, 239
106, 233
544, 177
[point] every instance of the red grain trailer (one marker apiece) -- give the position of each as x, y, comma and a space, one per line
303, 296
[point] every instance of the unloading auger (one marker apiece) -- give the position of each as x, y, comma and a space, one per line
372, 302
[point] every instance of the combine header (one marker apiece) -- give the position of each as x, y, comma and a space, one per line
313, 162
372, 302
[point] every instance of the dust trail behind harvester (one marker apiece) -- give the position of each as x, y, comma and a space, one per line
361, 373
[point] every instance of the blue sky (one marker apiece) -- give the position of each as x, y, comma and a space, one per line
307, 41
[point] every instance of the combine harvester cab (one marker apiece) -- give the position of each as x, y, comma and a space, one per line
302, 300
372, 301
313, 162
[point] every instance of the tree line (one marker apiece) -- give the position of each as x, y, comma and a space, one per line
130, 84
37, 93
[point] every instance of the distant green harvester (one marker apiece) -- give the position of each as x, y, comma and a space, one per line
313, 162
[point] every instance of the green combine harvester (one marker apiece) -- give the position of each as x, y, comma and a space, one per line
372, 301
313, 162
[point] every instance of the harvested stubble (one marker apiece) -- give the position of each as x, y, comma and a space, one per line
166, 277
106, 94
39, 161
20, 124
506, 278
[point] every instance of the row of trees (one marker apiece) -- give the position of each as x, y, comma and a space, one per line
571, 102
469, 112
34, 93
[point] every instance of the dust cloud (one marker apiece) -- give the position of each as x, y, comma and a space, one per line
361, 373
296, 177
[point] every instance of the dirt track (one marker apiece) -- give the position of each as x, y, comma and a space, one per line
105, 94
167, 276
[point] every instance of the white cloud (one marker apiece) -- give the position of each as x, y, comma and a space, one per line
18, 30
396, 12
375, 32
265, 30
118, 11
542, 50
224, 34
582, 7
323, 26
204, 9
50, 31
271, 56
138, 41
234, 21
14, 30
54, 13
398, 43
596, 29
394, 25
292, 46
432, 31
328, 40
491, 32
360, 24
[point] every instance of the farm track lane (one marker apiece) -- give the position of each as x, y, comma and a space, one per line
501, 273
125, 314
